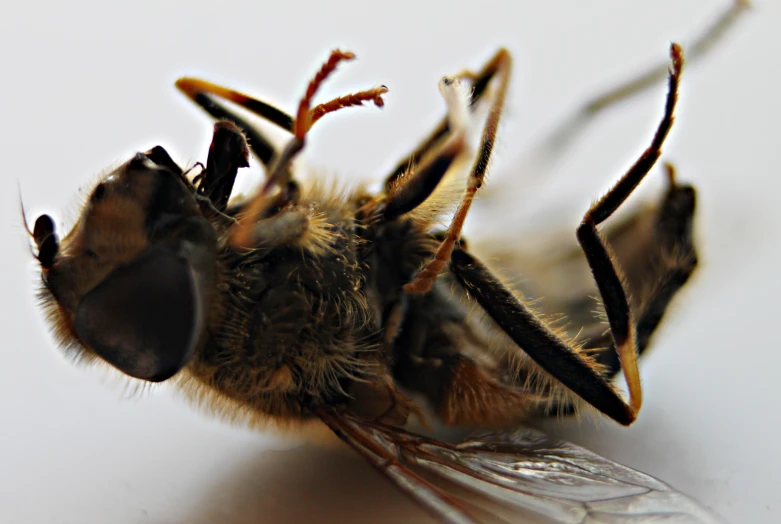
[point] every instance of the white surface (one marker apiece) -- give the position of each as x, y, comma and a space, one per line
86, 87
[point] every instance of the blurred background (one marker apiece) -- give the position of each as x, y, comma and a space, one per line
85, 85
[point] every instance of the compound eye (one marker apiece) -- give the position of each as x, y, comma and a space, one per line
146, 317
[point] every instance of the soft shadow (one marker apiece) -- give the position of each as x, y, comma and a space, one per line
307, 484
333, 484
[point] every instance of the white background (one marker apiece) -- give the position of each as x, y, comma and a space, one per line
85, 87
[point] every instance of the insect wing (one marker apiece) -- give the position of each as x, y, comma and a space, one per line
380, 445
564, 482
508, 474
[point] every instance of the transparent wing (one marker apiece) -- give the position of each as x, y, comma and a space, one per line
503, 476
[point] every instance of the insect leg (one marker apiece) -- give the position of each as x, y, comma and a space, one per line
599, 259
572, 368
306, 116
428, 274
662, 262
203, 93
480, 82
279, 175
354, 99
227, 153
407, 193
569, 129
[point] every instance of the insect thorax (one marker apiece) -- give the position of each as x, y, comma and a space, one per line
300, 323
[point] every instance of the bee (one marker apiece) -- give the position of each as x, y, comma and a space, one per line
301, 303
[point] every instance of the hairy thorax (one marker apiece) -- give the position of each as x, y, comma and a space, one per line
299, 323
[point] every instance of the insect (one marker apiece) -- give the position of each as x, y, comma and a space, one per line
298, 303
